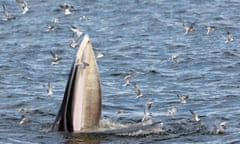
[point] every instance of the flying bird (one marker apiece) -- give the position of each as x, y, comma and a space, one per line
74, 42
82, 64
76, 30
183, 99
56, 20
49, 89
83, 17
210, 28
174, 58
188, 27
195, 116
67, 8
50, 28
221, 128
99, 54
138, 91
56, 58
23, 120
229, 37
172, 110
23, 5
127, 80
147, 118
6, 14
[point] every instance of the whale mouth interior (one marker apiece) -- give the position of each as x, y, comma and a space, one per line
65, 113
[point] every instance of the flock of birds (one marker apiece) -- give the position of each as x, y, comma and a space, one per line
7, 17
189, 27
75, 41
147, 117
56, 59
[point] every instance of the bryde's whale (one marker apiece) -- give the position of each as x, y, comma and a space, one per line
81, 107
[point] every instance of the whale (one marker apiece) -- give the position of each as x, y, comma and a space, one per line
81, 107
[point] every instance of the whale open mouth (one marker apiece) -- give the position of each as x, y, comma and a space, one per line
81, 106
80, 110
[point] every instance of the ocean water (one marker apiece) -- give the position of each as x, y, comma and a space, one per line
137, 37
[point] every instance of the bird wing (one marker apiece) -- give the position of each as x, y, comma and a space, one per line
49, 85
5, 11
53, 54
179, 97
74, 28
20, 2
192, 112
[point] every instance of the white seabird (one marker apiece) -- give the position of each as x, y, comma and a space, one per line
23, 5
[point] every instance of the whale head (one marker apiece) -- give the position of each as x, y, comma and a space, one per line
81, 106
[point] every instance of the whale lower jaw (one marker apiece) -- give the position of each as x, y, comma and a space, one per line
133, 130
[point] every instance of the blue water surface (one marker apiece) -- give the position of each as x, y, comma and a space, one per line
137, 37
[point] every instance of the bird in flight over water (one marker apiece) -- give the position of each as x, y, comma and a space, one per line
23, 5
6, 14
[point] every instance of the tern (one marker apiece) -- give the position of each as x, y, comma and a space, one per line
147, 118
49, 89
174, 58
6, 14
138, 91
195, 116
172, 110
23, 120
221, 128
183, 99
56, 58
76, 30
75, 41
210, 29
188, 27
229, 37
23, 5
82, 64
126, 78
50, 28
67, 8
